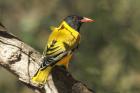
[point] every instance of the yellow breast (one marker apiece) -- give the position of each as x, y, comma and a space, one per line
65, 61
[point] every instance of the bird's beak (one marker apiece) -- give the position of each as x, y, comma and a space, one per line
86, 20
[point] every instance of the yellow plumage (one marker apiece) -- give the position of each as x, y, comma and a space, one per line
58, 51
41, 76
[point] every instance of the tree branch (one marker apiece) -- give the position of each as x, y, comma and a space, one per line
23, 61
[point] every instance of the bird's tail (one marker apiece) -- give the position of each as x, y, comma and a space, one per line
42, 75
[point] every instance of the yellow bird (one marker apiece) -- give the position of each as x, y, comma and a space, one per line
60, 46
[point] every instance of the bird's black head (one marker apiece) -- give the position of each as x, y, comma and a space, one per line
76, 21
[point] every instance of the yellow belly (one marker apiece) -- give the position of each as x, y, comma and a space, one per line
65, 61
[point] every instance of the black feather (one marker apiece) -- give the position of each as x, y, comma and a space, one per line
74, 21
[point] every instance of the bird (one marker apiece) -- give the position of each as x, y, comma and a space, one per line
61, 44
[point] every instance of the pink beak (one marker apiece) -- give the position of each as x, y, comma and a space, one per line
85, 20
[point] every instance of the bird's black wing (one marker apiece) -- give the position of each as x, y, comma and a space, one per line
53, 53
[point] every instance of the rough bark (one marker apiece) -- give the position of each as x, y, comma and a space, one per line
23, 61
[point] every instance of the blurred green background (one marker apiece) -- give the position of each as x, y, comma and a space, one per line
108, 59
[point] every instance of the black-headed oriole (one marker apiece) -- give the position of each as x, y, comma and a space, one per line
61, 44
